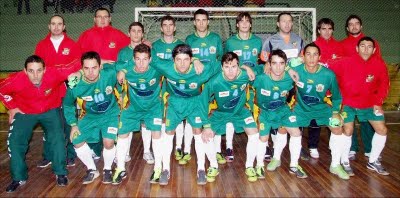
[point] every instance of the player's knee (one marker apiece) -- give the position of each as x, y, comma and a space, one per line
156, 135
382, 130
264, 138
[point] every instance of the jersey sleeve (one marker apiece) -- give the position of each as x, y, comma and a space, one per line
63, 71
220, 49
7, 88
69, 108
384, 84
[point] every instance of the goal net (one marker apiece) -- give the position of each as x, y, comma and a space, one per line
223, 21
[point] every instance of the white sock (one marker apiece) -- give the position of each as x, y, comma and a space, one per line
122, 149
129, 143
279, 145
217, 143
84, 153
179, 136
200, 152
146, 137
378, 143
346, 141
157, 150
108, 156
294, 148
273, 138
261, 149
251, 149
188, 137
335, 144
230, 130
166, 150
209, 149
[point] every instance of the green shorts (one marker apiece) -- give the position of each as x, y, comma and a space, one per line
303, 119
282, 117
240, 121
130, 119
363, 115
90, 128
178, 109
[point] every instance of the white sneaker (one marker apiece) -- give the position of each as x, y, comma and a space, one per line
314, 153
352, 155
148, 157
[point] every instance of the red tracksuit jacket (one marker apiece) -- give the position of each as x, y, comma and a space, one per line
350, 43
330, 49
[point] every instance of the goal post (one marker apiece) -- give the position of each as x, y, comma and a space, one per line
223, 20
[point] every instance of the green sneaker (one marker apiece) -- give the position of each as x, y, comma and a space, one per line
273, 165
251, 174
185, 159
155, 177
118, 176
221, 159
298, 171
260, 172
178, 154
338, 170
212, 173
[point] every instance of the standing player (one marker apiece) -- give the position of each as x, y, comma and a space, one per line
248, 47
94, 95
56, 49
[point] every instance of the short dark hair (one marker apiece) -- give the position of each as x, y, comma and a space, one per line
326, 21
283, 13
182, 49
90, 55
366, 38
228, 57
167, 18
201, 11
353, 16
142, 48
57, 15
34, 59
312, 45
136, 24
102, 9
277, 52
243, 15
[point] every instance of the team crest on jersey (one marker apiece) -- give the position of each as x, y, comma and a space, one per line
171, 81
87, 98
254, 52
7, 98
238, 52
152, 81
47, 92
222, 94
320, 87
334, 56
284, 93
310, 81
300, 84
111, 45
243, 87
96, 91
249, 120
193, 85
246, 47
65, 51
265, 92
292, 118
109, 90
160, 55
369, 78
195, 50
294, 44
213, 50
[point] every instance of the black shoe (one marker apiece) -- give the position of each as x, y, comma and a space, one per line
268, 154
70, 162
62, 180
304, 154
14, 185
44, 163
119, 175
90, 176
107, 176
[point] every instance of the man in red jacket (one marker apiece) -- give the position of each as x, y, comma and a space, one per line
56, 49
32, 97
364, 84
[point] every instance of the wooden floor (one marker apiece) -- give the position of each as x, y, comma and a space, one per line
231, 182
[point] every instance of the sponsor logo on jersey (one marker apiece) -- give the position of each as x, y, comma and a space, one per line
141, 80
112, 130
152, 81
233, 86
334, 56
195, 50
193, 85
109, 90
157, 121
292, 118
369, 78
320, 88
222, 94
243, 87
310, 81
65, 51
197, 120
246, 47
203, 45
275, 88
284, 93
161, 55
213, 50
111, 45
249, 120
171, 81
7, 98
96, 91
238, 52
132, 84
142, 86
254, 51
87, 98
300, 84
182, 86
168, 50
265, 92
182, 81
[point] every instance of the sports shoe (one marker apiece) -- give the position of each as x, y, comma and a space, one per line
211, 174
314, 153
338, 170
368, 154
251, 174
201, 177
107, 176
221, 159
90, 176
304, 155
352, 155
347, 168
260, 172
273, 165
229, 155
128, 158
14, 185
70, 162
178, 154
148, 157
164, 177
185, 159
44, 163
268, 154
118, 176
298, 171
95, 157
377, 166
62, 180
155, 177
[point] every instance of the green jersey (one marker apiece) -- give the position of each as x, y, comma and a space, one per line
312, 88
95, 99
125, 54
247, 50
163, 49
206, 49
